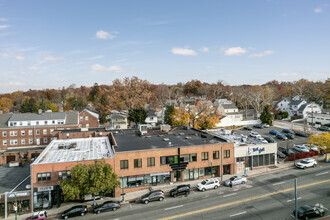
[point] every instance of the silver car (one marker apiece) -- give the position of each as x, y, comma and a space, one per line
235, 180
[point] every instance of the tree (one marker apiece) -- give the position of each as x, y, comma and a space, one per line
5, 104
137, 115
322, 140
167, 115
95, 178
94, 92
266, 116
180, 117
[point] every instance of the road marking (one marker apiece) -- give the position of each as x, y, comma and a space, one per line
174, 207
242, 201
321, 173
241, 213
221, 193
130, 205
230, 195
275, 184
290, 200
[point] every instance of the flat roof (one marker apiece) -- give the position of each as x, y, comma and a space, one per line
73, 150
130, 140
12, 177
238, 139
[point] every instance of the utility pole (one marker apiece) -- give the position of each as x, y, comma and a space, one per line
295, 199
211, 169
122, 187
15, 207
221, 168
6, 205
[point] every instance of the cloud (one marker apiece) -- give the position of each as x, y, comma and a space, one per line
33, 68
262, 54
318, 10
183, 51
19, 57
235, 51
204, 50
106, 35
98, 67
95, 57
288, 74
3, 19
50, 58
4, 55
4, 26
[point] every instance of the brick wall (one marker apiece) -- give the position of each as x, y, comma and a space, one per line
91, 121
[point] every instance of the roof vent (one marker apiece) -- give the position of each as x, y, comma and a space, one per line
188, 137
166, 139
181, 133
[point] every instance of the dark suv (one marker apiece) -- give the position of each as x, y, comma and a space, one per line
180, 190
78, 210
153, 196
107, 206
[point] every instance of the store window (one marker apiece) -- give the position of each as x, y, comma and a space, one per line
138, 163
151, 161
124, 164
261, 160
255, 161
215, 154
43, 176
62, 175
266, 156
226, 153
205, 155
272, 158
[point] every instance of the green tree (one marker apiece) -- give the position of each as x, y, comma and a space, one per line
137, 115
266, 116
94, 93
29, 105
167, 115
89, 179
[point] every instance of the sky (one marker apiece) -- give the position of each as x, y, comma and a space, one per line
51, 44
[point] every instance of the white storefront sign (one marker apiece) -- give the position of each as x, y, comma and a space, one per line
45, 188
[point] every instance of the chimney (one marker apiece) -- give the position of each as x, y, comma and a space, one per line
39, 111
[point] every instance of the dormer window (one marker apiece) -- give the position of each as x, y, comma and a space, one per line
37, 122
11, 124
53, 122
46, 122
29, 123
20, 123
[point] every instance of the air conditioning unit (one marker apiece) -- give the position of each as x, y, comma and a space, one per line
143, 129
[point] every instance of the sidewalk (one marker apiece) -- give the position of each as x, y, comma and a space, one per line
130, 197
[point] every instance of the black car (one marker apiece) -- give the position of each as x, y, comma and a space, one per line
78, 210
307, 211
258, 126
324, 128
156, 195
285, 151
280, 154
180, 190
248, 128
290, 136
107, 206
281, 137
270, 140
301, 134
288, 131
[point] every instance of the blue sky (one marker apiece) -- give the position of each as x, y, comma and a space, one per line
50, 44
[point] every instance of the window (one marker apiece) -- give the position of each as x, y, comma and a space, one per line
4, 142
29, 123
226, 153
23, 132
205, 155
4, 134
37, 122
30, 141
124, 164
45, 131
193, 157
37, 131
169, 160
13, 133
30, 132
62, 175
87, 125
151, 161
215, 154
51, 131
53, 122
138, 163
86, 118
46, 122
22, 141
45, 140
81, 118
13, 142
43, 176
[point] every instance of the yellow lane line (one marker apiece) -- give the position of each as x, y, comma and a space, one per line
242, 201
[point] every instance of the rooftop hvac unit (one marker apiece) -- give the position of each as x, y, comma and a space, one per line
165, 128
143, 129
166, 139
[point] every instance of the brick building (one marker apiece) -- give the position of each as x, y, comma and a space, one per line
25, 135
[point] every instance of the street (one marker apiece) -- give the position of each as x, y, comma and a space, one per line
269, 196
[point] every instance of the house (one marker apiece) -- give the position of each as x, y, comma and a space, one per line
294, 106
283, 105
219, 102
309, 109
118, 120
231, 112
152, 118
89, 118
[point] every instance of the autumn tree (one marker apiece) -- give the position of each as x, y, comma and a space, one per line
321, 140
192, 87
180, 117
5, 104
137, 115
95, 178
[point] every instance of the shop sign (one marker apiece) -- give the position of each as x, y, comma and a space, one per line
260, 150
159, 174
21, 194
45, 188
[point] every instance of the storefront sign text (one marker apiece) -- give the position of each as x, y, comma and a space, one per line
45, 188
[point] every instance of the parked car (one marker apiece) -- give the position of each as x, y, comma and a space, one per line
107, 206
78, 210
265, 125
301, 134
38, 216
309, 162
155, 195
255, 134
235, 180
248, 128
281, 137
274, 132
285, 151
280, 154
258, 126
324, 128
270, 140
211, 183
262, 140
180, 190
288, 135
301, 148
287, 131
307, 211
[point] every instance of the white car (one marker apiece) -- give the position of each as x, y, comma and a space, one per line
309, 162
262, 140
211, 183
255, 134
300, 148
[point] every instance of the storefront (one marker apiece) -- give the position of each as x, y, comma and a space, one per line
145, 180
255, 156
23, 200
46, 197
196, 173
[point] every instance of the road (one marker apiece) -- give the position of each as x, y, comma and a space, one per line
269, 196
